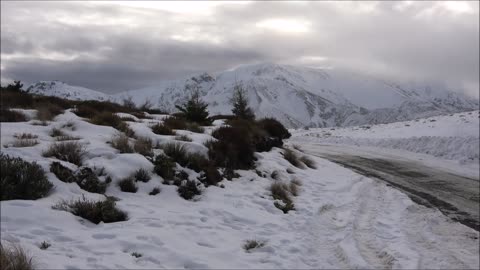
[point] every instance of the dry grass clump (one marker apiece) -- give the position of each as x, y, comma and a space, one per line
281, 193
25, 140
142, 175
72, 152
94, 211
143, 146
162, 129
56, 132
291, 157
184, 138
121, 142
309, 162
14, 257
47, 111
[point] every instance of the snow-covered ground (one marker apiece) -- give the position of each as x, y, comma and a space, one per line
452, 137
342, 219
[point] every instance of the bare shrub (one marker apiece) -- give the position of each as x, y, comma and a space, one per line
72, 152
63, 173
175, 122
14, 257
48, 111
164, 166
56, 132
194, 127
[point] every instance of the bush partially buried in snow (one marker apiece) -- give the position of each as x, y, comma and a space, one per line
22, 180
94, 211
72, 152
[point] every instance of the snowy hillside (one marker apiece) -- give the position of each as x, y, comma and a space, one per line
297, 96
341, 219
63, 90
454, 136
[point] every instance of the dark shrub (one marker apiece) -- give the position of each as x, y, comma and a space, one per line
7, 115
56, 132
63, 173
175, 122
194, 127
15, 258
211, 176
241, 109
21, 180
143, 146
121, 142
88, 180
189, 190
274, 128
177, 152
154, 191
196, 162
94, 211
142, 175
72, 152
195, 110
128, 185
47, 111
252, 244
44, 245
112, 120
233, 149
162, 129
164, 166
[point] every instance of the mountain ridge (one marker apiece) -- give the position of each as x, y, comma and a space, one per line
297, 96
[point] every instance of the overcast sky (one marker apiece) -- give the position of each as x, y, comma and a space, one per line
116, 46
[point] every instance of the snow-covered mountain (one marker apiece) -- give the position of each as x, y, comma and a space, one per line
301, 96
63, 90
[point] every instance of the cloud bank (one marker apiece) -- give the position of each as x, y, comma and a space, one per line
117, 46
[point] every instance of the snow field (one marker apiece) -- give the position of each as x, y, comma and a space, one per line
342, 219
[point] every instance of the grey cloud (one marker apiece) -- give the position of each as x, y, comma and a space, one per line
121, 48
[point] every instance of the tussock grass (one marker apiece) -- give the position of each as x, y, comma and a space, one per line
143, 146
309, 162
121, 142
128, 185
14, 257
72, 152
291, 157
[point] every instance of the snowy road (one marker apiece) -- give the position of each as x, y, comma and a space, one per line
455, 195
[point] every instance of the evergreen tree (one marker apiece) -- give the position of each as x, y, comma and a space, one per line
240, 104
195, 109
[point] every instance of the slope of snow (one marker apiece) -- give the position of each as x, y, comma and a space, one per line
63, 90
343, 220
454, 136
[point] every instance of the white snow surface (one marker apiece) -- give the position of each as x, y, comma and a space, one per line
342, 219
453, 137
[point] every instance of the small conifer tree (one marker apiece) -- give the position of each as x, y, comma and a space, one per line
240, 104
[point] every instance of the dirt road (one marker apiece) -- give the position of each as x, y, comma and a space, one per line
454, 195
